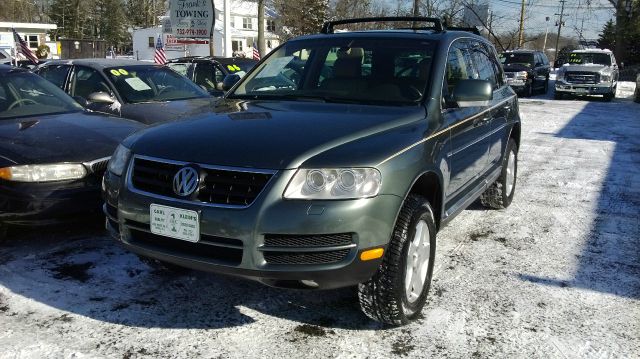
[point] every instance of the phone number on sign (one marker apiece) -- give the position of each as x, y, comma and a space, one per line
193, 32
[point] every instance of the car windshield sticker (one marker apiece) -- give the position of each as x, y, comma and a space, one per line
137, 84
233, 68
274, 67
123, 72
115, 72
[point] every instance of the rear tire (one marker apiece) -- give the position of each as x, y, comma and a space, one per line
398, 291
161, 266
500, 193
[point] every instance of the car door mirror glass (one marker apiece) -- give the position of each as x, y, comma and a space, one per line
229, 81
472, 93
100, 97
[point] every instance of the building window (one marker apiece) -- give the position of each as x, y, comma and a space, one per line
246, 23
33, 41
271, 25
269, 44
152, 42
236, 45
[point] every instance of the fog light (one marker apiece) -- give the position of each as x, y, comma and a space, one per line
372, 254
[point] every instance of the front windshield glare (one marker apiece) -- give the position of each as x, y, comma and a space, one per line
25, 94
152, 83
358, 70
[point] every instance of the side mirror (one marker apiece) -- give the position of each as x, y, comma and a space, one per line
100, 97
229, 81
472, 93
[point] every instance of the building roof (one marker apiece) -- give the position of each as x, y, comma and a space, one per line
28, 25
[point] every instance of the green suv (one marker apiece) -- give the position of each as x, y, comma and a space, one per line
333, 163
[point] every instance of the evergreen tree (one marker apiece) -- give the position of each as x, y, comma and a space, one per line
607, 39
301, 17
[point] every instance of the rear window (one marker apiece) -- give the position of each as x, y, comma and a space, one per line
515, 58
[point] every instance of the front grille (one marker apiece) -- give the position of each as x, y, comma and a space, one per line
288, 240
208, 248
306, 249
327, 257
217, 186
576, 77
510, 75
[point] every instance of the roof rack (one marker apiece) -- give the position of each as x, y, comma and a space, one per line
327, 28
472, 29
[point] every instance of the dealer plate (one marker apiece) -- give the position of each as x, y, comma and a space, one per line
175, 222
581, 89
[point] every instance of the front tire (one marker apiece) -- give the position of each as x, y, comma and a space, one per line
557, 95
398, 291
610, 96
500, 193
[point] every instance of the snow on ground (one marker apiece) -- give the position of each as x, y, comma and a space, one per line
556, 275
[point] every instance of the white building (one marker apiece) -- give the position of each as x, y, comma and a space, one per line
244, 32
33, 33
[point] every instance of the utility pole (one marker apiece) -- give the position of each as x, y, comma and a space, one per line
560, 23
521, 35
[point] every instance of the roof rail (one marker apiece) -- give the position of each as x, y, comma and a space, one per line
327, 27
472, 29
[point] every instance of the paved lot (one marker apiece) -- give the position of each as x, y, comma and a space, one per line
555, 275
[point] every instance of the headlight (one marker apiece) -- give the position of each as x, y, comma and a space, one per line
560, 75
605, 77
118, 161
43, 173
521, 75
334, 183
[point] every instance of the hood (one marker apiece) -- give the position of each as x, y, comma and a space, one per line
156, 112
516, 68
585, 68
71, 137
271, 134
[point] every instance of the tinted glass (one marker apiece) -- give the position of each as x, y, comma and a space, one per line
238, 66
26, 94
180, 68
589, 58
152, 83
362, 70
484, 65
459, 66
207, 74
56, 74
87, 81
518, 58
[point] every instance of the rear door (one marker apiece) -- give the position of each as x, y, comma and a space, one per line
470, 126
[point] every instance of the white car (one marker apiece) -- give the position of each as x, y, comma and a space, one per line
636, 96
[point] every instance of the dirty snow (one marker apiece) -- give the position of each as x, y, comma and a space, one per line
556, 275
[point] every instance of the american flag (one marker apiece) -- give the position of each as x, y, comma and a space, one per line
160, 57
256, 52
23, 48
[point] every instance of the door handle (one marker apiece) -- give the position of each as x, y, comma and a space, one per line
481, 121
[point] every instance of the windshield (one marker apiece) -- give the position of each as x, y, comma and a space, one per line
514, 58
344, 69
152, 83
26, 94
589, 58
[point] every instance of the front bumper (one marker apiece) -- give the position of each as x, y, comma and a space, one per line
233, 241
584, 89
48, 203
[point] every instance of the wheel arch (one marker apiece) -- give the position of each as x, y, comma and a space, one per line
429, 185
515, 133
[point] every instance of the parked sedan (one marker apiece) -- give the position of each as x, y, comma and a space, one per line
136, 90
209, 72
52, 153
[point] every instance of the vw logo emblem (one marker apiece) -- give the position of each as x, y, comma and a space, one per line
185, 182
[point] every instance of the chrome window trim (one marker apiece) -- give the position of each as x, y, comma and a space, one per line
131, 188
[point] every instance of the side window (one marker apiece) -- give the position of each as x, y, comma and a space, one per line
56, 74
204, 75
459, 67
484, 64
87, 81
545, 60
219, 74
